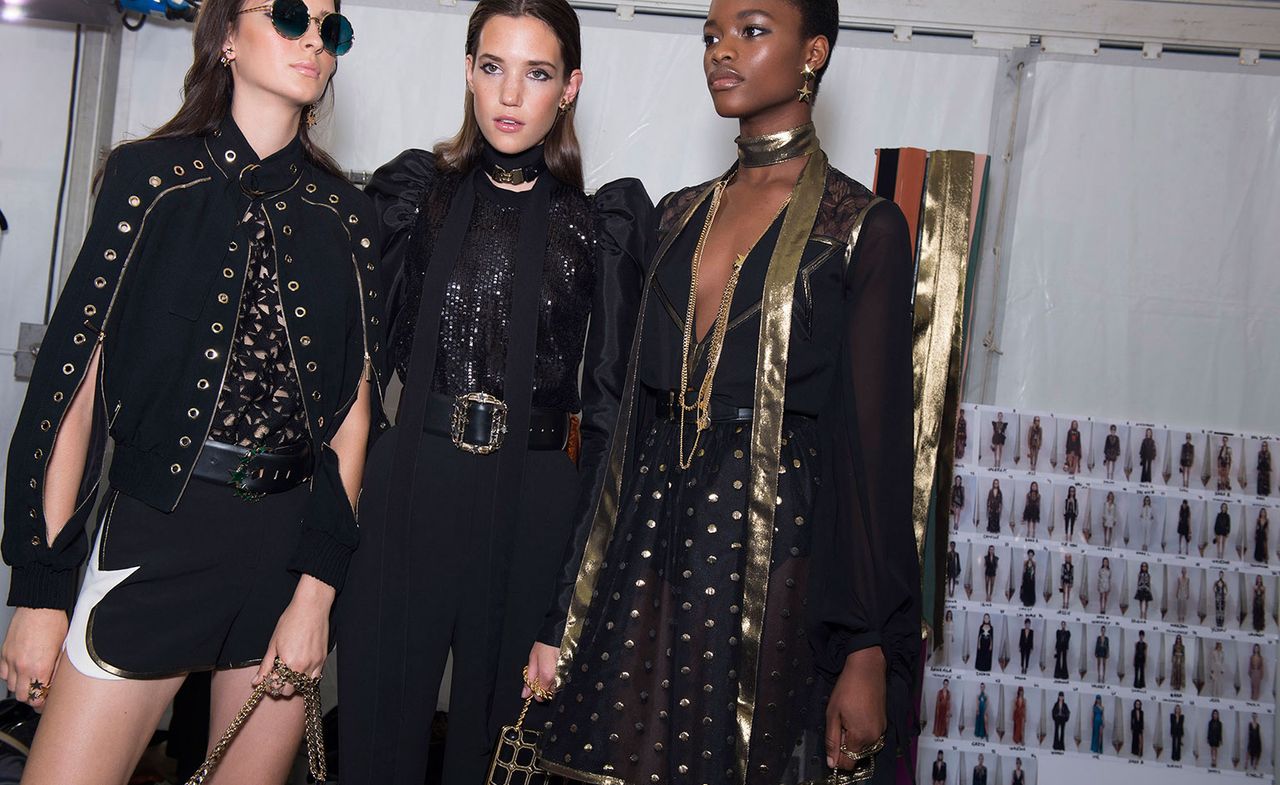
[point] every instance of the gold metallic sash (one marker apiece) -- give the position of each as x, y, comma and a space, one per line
766, 430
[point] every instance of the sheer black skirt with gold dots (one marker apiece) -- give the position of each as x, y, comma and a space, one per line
652, 694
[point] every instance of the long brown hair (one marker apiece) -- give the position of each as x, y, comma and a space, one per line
561, 151
207, 88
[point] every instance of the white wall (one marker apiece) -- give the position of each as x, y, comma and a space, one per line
1144, 272
36, 62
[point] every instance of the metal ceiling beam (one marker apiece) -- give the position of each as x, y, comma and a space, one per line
1071, 26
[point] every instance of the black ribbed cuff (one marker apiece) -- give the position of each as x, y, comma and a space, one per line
42, 586
322, 557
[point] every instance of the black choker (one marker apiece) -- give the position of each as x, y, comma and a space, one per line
515, 169
773, 149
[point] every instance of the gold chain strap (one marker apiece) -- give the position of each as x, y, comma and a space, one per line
702, 404
279, 676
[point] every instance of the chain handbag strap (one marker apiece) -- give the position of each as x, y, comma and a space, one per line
279, 676
515, 759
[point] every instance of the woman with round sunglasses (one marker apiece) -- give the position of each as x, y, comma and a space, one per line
216, 325
746, 605
499, 259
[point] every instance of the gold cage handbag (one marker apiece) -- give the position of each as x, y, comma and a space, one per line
515, 759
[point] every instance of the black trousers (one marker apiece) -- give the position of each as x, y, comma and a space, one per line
396, 627
1026, 658
1140, 674
1059, 735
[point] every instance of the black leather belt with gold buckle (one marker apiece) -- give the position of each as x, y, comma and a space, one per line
477, 423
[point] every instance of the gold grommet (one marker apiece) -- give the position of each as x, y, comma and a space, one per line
224, 298
185, 441
198, 164
300, 312
68, 369
233, 246
203, 384
216, 327
100, 282
153, 181
305, 340
134, 201
230, 156
193, 412
39, 453
179, 171
288, 230
58, 396
79, 339
45, 425
174, 469
212, 354
353, 220
109, 255
293, 286
364, 242
281, 205
311, 189
90, 310
311, 366
315, 394
288, 259
35, 539
227, 272
124, 227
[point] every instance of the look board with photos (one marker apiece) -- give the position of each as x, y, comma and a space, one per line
1111, 591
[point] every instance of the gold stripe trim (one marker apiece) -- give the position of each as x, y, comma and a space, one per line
605, 517
939, 304
766, 431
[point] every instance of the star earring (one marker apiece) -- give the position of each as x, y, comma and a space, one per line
226, 58
805, 93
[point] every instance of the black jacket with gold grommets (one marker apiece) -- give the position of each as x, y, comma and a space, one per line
157, 285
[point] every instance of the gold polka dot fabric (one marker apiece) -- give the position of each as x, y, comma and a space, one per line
651, 695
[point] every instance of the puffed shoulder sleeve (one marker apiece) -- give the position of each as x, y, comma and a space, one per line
624, 242
397, 190
44, 574
875, 598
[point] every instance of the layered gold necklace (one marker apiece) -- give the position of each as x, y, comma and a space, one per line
753, 151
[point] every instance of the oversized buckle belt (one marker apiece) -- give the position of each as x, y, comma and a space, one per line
477, 423
254, 473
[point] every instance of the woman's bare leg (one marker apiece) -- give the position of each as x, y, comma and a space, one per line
265, 749
94, 730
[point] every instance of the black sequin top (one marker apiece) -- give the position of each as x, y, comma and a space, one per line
261, 402
474, 326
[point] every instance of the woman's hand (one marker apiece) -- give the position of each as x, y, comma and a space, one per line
856, 716
301, 638
542, 669
30, 653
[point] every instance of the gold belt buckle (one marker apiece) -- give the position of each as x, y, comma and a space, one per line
461, 418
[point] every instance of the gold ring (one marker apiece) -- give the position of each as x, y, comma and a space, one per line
37, 690
535, 687
865, 752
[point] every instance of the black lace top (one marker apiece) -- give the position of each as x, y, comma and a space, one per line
261, 402
474, 329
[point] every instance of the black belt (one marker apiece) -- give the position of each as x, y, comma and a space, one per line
720, 412
254, 473
477, 423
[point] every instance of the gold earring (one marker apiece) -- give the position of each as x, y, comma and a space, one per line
564, 105
806, 90
309, 116
226, 58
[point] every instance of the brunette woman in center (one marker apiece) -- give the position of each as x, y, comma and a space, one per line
214, 326
746, 600
492, 243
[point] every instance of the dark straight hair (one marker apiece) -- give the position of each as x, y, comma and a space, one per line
207, 88
561, 150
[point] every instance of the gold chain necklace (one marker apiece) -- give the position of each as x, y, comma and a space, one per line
702, 404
